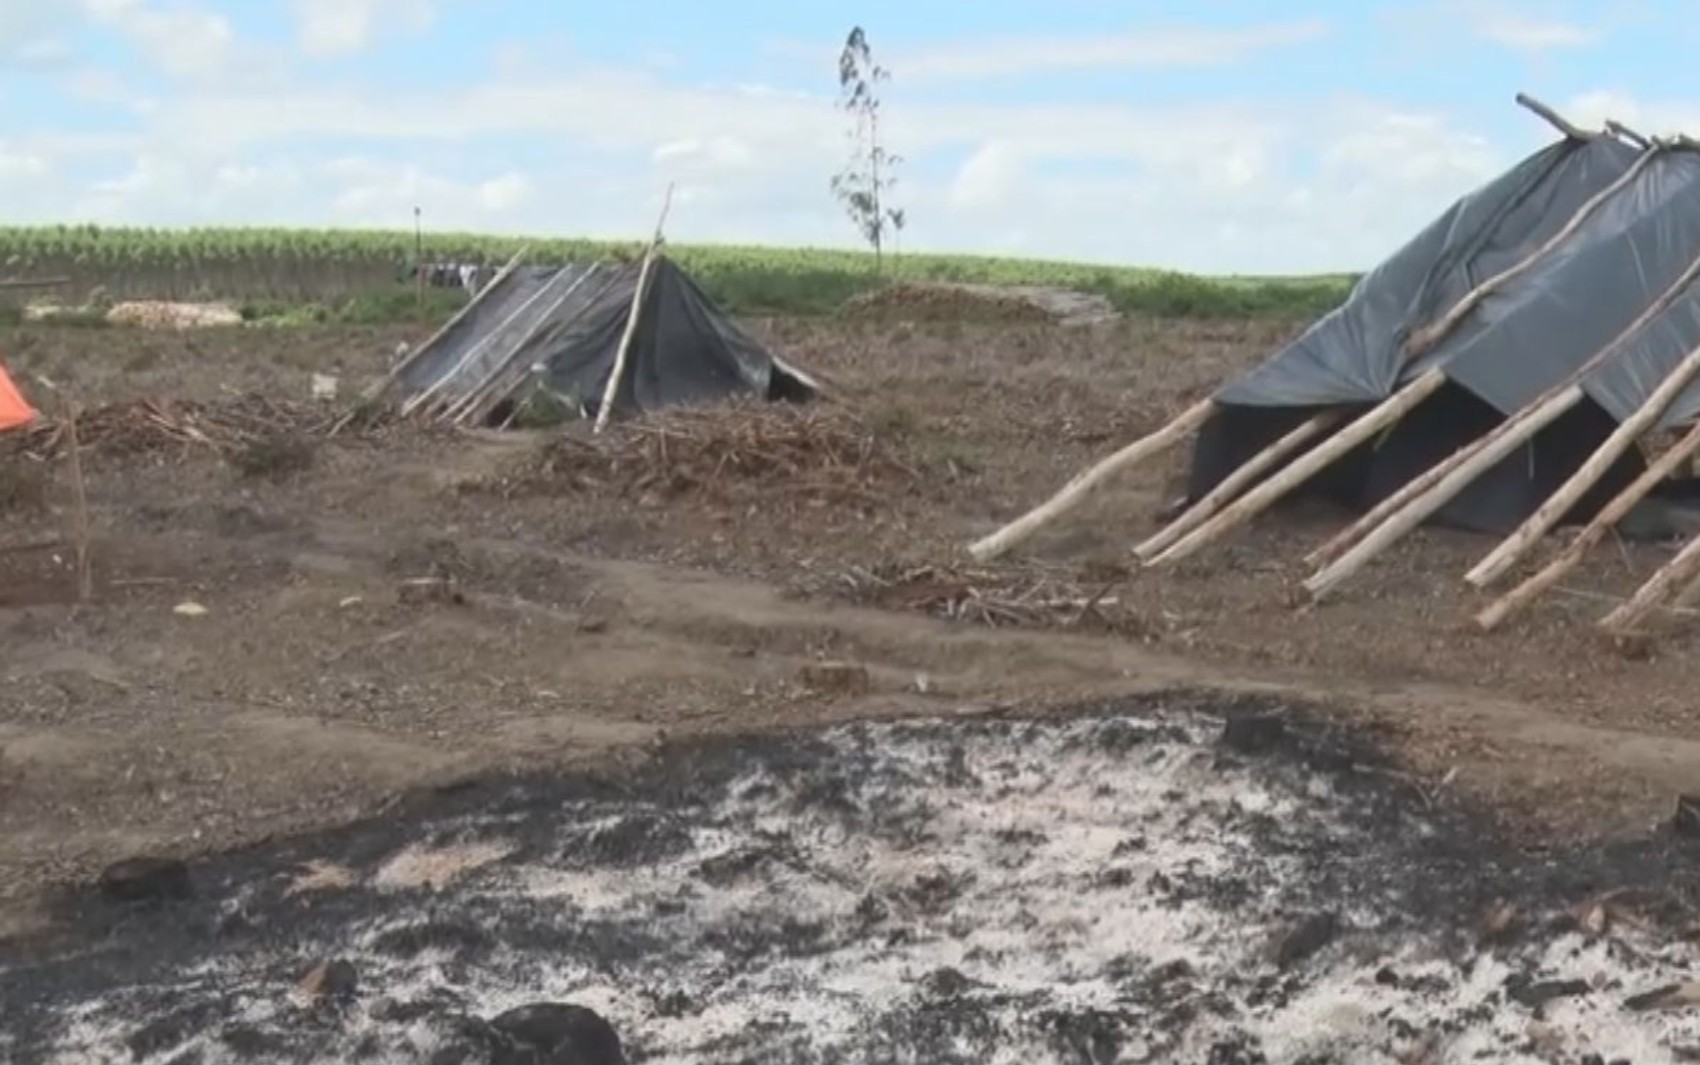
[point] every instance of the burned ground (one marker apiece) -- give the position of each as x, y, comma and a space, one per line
1184, 875
379, 611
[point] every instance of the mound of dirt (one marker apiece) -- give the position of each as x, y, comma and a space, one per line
728, 452
933, 301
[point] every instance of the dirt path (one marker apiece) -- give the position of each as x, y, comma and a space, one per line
200, 737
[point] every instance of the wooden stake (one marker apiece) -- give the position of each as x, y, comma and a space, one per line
1305, 467
1425, 338
1325, 581
1084, 483
389, 379
79, 505
641, 290
1538, 524
1338, 543
1608, 517
1554, 119
1685, 567
1235, 482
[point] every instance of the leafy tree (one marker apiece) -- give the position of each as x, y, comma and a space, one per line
865, 182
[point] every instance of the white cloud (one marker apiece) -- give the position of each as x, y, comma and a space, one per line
990, 179
329, 28
1241, 187
1523, 32
1244, 186
1651, 118
1146, 47
179, 38
33, 34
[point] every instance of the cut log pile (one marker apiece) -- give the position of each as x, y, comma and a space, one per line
1319, 442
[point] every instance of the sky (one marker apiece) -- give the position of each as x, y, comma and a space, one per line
1215, 136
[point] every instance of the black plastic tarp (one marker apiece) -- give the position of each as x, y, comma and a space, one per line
1352, 354
561, 328
684, 350
1596, 290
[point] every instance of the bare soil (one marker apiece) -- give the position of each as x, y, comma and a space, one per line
409, 608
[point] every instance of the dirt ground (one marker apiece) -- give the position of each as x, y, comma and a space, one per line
584, 609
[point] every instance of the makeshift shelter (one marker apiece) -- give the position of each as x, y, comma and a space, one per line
645, 328
15, 411
1501, 372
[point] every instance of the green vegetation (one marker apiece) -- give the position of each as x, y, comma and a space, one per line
364, 275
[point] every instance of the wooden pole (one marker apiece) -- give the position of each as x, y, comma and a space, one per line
1683, 568
1338, 543
492, 334
1084, 483
1325, 581
1548, 514
1634, 137
79, 504
642, 288
1304, 468
1235, 482
1554, 119
419, 266
1608, 517
1425, 338
389, 379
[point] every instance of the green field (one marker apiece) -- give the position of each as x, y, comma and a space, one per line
361, 274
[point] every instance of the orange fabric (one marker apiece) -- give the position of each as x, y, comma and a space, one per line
15, 411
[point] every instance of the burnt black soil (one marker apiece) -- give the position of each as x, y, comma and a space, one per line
212, 968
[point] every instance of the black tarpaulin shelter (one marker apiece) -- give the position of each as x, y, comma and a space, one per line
561, 329
1520, 363
1517, 343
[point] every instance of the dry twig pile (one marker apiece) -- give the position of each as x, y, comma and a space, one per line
1029, 599
819, 453
143, 426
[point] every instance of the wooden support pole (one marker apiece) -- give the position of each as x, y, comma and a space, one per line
1554, 119
642, 289
1337, 544
1402, 522
1640, 140
1548, 514
1232, 485
1304, 468
1613, 512
1084, 483
1425, 338
79, 504
389, 379
1682, 569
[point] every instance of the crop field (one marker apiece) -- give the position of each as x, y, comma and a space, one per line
364, 275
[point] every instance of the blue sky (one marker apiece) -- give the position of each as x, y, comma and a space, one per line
1217, 136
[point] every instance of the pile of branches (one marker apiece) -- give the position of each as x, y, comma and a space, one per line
816, 452
995, 598
145, 426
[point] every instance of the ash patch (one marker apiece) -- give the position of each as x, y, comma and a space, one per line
1127, 882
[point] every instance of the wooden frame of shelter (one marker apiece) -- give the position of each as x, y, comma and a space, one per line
1241, 496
